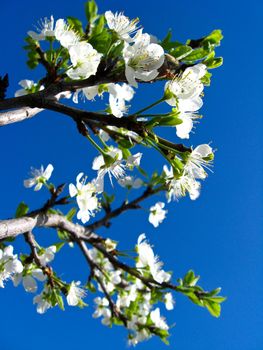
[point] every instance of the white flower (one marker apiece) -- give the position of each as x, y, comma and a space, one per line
111, 164
198, 160
146, 258
102, 310
139, 337
42, 301
86, 199
118, 95
46, 29
9, 264
157, 214
28, 87
169, 301
178, 187
85, 61
40, 176
142, 59
130, 182
158, 320
75, 294
28, 281
134, 160
187, 88
121, 25
183, 130
48, 255
66, 36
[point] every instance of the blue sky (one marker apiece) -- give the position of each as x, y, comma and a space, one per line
219, 235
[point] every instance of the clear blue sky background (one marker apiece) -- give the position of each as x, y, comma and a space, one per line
219, 235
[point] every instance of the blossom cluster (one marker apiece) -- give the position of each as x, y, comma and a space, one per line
135, 301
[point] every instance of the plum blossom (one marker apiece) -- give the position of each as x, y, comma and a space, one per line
42, 300
85, 61
75, 294
46, 29
158, 320
102, 310
146, 258
9, 264
157, 214
130, 182
110, 163
48, 255
200, 158
85, 196
29, 279
122, 25
66, 36
40, 177
142, 59
169, 301
187, 88
118, 95
177, 187
28, 86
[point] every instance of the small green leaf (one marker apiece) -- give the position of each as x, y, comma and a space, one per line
212, 307
21, 210
196, 55
181, 52
76, 25
91, 10
70, 215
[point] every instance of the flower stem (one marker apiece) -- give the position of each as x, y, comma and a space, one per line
150, 106
96, 145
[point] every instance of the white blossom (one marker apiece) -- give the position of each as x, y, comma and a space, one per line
48, 255
40, 177
9, 264
118, 95
122, 25
198, 160
28, 280
130, 182
177, 188
42, 301
146, 258
111, 164
169, 301
46, 29
66, 36
85, 61
28, 87
158, 320
102, 310
85, 196
142, 59
75, 294
187, 88
157, 214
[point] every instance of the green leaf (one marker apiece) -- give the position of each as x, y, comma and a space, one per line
21, 210
101, 42
213, 62
196, 55
181, 51
213, 307
70, 215
99, 26
76, 25
214, 38
59, 245
63, 235
91, 10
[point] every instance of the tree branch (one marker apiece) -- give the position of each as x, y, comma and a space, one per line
18, 115
15, 227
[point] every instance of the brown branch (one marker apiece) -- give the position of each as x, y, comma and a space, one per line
134, 204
